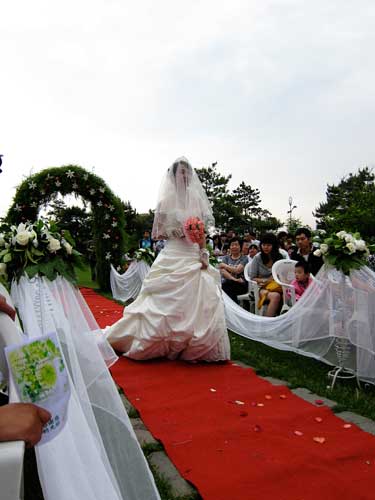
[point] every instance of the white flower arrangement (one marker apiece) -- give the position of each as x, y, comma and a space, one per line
345, 251
145, 254
37, 248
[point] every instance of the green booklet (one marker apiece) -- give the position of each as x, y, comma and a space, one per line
38, 371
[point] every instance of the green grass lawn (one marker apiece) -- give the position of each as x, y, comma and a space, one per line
301, 371
296, 370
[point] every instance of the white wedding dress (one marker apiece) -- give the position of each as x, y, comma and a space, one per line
179, 312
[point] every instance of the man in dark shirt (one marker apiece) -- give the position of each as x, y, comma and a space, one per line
305, 250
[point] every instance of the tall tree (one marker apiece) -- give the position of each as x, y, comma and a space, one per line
247, 199
76, 220
216, 186
350, 205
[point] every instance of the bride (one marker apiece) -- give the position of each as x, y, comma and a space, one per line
179, 312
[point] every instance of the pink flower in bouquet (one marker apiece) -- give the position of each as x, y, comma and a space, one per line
194, 229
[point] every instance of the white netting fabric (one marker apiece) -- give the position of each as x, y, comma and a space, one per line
181, 195
334, 307
96, 456
128, 285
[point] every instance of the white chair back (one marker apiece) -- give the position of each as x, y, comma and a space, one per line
252, 294
283, 271
283, 274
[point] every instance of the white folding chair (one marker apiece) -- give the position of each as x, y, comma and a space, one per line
283, 274
252, 294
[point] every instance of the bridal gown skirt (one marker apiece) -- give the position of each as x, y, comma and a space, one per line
179, 312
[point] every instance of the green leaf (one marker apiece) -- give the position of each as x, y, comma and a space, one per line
7, 258
3, 252
32, 271
36, 252
30, 257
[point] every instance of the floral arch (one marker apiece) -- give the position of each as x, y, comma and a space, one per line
108, 214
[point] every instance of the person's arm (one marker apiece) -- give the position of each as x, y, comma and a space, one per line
204, 254
6, 308
255, 271
22, 422
232, 269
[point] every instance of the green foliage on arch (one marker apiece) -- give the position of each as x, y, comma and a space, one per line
108, 214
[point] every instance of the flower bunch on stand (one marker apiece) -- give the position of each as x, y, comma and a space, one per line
37, 248
194, 229
146, 255
344, 251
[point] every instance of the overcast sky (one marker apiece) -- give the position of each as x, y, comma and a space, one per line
279, 92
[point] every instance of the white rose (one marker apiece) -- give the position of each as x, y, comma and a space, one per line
351, 247
324, 248
3, 269
21, 228
341, 234
68, 247
360, 245
2, 240
53, 245
349, 238
23, 237
318, 253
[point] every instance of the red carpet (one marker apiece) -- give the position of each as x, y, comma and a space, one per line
235, 436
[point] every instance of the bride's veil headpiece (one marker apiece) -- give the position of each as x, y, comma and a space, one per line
181, 196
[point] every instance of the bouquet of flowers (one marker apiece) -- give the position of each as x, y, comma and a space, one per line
345, 251
194, 229
145, 254
38, 248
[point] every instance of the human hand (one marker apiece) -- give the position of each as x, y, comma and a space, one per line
6, 308
22, 422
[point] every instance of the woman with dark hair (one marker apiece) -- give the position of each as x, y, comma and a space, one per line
261, 272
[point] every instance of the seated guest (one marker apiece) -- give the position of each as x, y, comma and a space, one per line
224, 243
245, 248
250, 236
261, 272
289, 244
253, 250
281, 238
146, 241
217, 245
231, 268
302, 279
305, 250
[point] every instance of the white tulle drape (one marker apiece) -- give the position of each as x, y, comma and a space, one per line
181, 195
96, 456
334, 306
10, 333
128, 285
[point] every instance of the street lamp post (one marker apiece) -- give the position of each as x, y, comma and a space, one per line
291, 208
